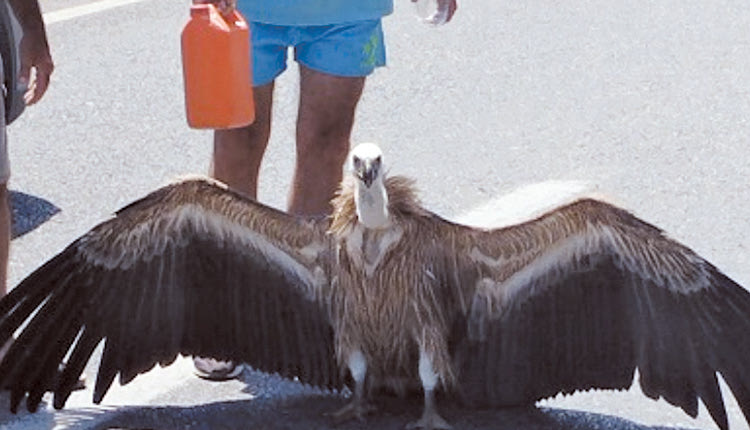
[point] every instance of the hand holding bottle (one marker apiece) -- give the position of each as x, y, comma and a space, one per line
435, 12
225, 7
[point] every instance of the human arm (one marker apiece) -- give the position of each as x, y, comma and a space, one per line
34, 49
226, 7
450, 6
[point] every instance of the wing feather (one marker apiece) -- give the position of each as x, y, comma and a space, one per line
192, 269
22, 361
83, 349
584, 295
32, 366
42, 370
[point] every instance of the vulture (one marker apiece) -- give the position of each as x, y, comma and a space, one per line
382, 293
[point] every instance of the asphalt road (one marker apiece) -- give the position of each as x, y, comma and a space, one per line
649, 101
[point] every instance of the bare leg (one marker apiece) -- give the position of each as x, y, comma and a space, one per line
358, 407
4, 237
430, 418
236, 160
238, 152
4, 249
324, 125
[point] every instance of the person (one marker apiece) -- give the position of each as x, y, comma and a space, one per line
32, 54
337, 44
25, 70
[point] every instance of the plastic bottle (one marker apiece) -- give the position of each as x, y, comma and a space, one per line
430, 12
216, 69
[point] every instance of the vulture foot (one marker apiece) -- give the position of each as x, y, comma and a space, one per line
430, 420
356, 409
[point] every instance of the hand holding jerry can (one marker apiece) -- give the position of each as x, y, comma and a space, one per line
217, 68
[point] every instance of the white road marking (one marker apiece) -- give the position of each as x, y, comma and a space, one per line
84, 9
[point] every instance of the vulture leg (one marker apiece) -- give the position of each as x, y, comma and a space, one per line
431, 419
358, 408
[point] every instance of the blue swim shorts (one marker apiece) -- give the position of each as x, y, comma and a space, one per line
352, 49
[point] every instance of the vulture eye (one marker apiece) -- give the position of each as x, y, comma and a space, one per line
378, 160
356, 161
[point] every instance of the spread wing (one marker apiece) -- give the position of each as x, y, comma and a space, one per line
192, 269
585, 294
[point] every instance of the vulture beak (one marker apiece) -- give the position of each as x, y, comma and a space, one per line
366, 169
369, 174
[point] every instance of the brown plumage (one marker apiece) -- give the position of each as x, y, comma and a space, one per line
577, 297
384, 300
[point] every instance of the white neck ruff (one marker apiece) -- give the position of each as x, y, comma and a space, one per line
372, 205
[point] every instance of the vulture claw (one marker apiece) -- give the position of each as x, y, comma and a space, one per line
355, 409
430, 421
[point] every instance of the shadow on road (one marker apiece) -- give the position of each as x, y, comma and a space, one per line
308, 412
29, 212
279, 404
47, 418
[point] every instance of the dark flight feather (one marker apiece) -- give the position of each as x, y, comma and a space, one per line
192, 287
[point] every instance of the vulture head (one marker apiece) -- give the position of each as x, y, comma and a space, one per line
366, 163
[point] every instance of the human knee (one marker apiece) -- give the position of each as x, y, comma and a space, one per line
327, 142
332, 150
326, 120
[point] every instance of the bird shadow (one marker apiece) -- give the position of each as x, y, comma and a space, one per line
46, 418
309, 412
279, 404
29, 212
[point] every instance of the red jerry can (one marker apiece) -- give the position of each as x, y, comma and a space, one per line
217, 69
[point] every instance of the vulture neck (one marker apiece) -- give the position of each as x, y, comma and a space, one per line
381, 206
372, 204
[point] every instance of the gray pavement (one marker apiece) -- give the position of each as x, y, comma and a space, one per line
648, 100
